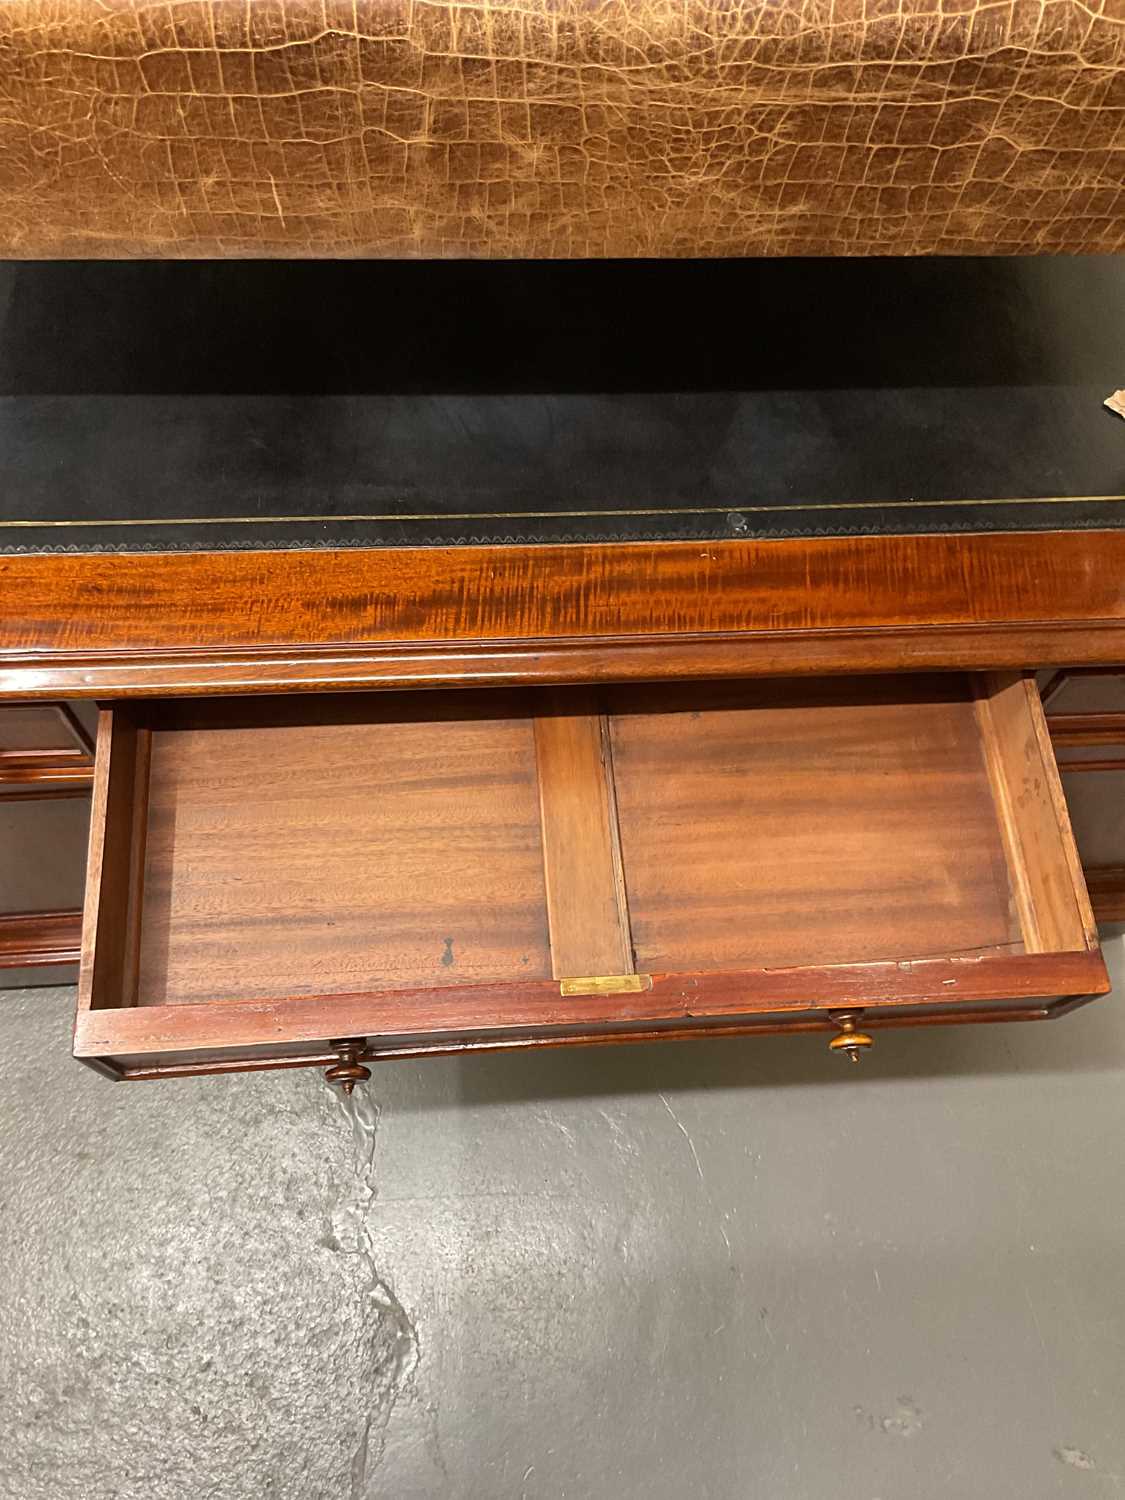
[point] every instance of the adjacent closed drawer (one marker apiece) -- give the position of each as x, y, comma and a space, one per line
43, 747
284, 881
46, 773
1086, 719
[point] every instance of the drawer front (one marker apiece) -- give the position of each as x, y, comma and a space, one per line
46, 774
433, 872
43, 746
1086, 720
138, 1046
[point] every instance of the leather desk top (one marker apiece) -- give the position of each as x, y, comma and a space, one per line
181, 408
560, 128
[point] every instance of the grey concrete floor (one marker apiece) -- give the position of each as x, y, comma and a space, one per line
726, 1269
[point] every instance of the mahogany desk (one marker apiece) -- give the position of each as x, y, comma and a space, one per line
279, 476
292, 479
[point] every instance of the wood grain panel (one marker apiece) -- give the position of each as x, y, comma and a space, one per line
396, 869
782, 825
1085, 729
586, 902
1077, 737
114, 889
143, 1066
303, 621
35, 939
45, 782
1047, 883
44, 751
293, 859
783, 995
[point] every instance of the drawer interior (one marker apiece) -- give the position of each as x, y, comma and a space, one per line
769, 826
265, 850
283, 859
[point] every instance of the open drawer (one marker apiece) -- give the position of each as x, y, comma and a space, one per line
330, 879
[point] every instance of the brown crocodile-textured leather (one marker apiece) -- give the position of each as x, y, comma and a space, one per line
560, 127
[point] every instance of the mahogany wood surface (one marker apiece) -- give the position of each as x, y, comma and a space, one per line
39, 938
313, 858
187, 623
44, 751
1047, 883
281, 872
118, 827
149, 1066
776, 823
53, 787
586, 900
53, 938
1083, 729
780, 996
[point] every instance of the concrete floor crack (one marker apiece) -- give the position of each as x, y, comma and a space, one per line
395, 1350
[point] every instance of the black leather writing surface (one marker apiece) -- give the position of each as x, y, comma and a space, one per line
245, 405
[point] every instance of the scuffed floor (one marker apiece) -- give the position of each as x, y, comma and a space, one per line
721, 1270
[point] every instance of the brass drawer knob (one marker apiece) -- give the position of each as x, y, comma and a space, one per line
349, 1071
851, 1042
